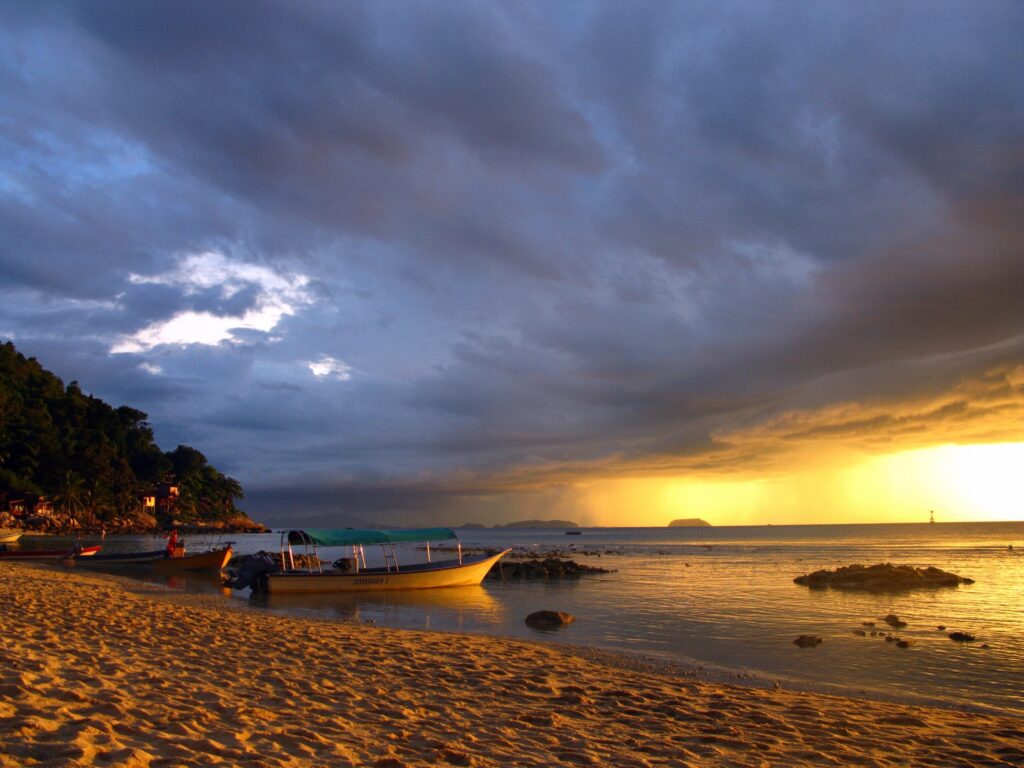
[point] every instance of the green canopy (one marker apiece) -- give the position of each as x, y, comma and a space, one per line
346, 537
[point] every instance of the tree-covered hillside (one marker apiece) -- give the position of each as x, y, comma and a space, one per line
91, 461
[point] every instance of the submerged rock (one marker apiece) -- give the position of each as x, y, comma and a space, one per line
962, 637
883, 577
549, 619
807, 641
894, 621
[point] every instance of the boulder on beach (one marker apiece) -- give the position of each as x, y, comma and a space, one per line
883, 577
549, 619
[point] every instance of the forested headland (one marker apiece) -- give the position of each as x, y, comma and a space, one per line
71, 461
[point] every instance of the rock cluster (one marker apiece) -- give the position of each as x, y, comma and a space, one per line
549, 568
897, 623
883, 577
136, 522
82, 523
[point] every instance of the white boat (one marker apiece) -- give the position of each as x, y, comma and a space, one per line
9, 535
350, 574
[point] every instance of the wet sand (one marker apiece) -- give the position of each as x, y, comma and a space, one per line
104, 670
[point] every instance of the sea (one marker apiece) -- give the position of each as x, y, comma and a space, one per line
720, 603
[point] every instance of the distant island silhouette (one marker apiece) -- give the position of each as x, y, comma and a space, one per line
525, 524
689, 522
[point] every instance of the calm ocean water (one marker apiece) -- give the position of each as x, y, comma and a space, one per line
723, 600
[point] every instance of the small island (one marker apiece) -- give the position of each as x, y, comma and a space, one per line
521, 524
689, 522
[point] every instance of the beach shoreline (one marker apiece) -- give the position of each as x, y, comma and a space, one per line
102, 669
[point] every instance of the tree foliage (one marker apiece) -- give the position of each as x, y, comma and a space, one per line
88, 457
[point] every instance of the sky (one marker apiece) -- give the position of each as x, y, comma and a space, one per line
613, 262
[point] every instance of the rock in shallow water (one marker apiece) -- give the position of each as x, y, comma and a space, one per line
883, 577
961, 637
549, 619
548, 568
807, 641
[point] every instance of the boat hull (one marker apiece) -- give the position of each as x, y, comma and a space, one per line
424, 576
124, 558
8, 536
213, 560
48, 554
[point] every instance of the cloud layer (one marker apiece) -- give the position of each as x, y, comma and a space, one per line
370, 256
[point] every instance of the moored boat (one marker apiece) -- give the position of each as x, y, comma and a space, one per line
351, 574
9, 535
49, 554
123, 558
213, 561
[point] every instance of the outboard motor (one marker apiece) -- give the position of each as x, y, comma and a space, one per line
250, 571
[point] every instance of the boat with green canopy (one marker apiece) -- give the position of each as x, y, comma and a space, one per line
351, 573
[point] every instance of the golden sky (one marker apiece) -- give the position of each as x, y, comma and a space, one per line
958, 483
959, 454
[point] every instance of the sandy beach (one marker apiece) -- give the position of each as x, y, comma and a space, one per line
104, 670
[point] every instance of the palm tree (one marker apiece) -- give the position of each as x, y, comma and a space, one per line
71, 496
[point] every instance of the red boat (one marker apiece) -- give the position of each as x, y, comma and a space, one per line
49, 554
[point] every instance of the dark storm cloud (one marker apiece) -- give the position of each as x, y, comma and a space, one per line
439, 250
307, 110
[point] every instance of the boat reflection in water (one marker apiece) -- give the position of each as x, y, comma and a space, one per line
463, 609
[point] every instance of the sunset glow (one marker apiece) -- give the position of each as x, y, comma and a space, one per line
958, 483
